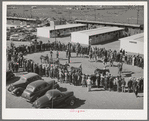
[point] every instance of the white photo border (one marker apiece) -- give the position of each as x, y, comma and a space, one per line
61, 114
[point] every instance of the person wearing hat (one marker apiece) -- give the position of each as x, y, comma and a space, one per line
110, 82
83, 80
123, 83
89, 83
141, 84
136, 87
98, 79
129, 83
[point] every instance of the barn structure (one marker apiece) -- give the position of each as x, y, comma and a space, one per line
133, 44
97, 36
59, 30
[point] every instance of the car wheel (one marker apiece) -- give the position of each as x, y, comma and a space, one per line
18, 93
57, 87
36, 98
72, 102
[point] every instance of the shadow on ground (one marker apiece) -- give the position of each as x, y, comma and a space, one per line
75, 62
62, 59
62, 89
127, 73
99, 61
77, 104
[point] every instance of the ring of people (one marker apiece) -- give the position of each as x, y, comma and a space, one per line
33, 88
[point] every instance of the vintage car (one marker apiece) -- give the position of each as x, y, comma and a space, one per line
18, 87
9, 75
55, 99
99, 71
37, 89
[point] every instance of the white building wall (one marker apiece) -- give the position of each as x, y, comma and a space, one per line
41, 32
80, 38
132, 46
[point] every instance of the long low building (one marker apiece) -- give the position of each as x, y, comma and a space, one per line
60, 30
131, 29
97, 36
133, 44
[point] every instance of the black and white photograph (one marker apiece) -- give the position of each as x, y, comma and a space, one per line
74, 60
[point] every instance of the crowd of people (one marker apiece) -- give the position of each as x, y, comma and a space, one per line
16, 60
93, 52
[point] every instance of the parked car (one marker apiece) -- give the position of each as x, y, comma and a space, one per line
37, 89
55, 99
9, 75
14, 37
18, 87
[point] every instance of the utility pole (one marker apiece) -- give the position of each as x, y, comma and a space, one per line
31, 11
95, 14
138, 14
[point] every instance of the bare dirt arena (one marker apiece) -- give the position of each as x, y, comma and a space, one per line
97, 98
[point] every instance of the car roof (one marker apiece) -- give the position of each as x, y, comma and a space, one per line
37, 83
29, 75
50, 81
53, 92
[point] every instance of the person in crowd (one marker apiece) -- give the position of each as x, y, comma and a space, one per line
66, 53
123, 84
68, 57
40, 70
105, 82
136, 86
118, 83
90, 53
89, 83
111, 83
57, 54
66, 75
51, 71
141, 84
34, 67
73, 77
70, 77
102, 79
120, 67
129, 83
134, 83
98, 79
60, 76
47, 70
83, 81
51, 53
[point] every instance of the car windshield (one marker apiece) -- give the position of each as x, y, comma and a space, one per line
30, 88
49, 96
23, 79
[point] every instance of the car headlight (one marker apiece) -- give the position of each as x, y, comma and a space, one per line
13, 87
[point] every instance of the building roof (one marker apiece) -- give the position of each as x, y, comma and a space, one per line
101, 30
109, 23
9, 25
136, 37
63, 26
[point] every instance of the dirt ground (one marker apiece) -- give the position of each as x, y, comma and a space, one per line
118, 15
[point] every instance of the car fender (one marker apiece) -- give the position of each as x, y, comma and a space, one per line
18, 89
